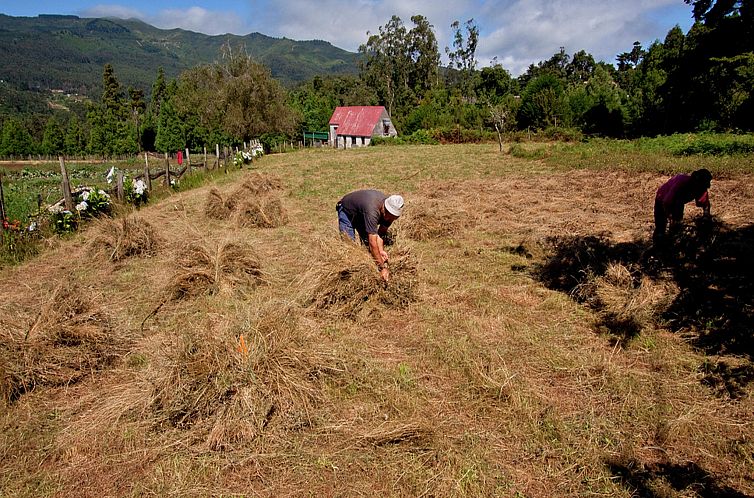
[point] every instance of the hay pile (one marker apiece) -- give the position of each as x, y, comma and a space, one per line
347, 282
229, 384
254, 185
215, 207
121, 239
71, 338
202, 269
432, 219
262, 212
626, 301
254, 204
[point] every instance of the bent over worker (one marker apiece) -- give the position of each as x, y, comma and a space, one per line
370, 213
674, 194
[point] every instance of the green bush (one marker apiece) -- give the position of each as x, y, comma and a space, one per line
523, 152
562, 134
421, 137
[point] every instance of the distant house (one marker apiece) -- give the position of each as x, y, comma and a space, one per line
356, 125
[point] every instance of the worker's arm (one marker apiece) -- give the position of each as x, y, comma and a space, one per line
703, 202
378, 253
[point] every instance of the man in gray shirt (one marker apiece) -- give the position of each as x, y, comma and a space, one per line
370, 213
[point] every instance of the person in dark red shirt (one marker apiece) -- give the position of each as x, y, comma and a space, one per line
369, 213
674, 194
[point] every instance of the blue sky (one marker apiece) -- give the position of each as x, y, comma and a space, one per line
517, 32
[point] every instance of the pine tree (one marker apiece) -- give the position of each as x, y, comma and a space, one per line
170, 136
53, 141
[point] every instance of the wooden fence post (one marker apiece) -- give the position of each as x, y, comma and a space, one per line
217, 156
66, 186
167, 170
205, 158
225, 158
188, 161
2, 199
119, 188
147, 178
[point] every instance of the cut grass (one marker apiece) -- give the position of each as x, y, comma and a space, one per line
485, 382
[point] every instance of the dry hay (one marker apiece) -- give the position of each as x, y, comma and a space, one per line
432, 219
210, 270
347, 282
254, 185
626, 301
229, 384
215, 207
266, 211
71, 338
126, 237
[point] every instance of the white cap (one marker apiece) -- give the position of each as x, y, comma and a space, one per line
394, 205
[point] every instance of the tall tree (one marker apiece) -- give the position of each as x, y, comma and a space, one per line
16, 139
53, 141
387, 63
424, 55
170, 135
137, 107
463, 57
236, 94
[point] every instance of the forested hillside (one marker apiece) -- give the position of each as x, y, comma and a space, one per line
68, 53
150, 89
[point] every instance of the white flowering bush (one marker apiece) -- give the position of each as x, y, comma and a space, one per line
90, 202
136, 191
62, 219
242, 157
257, 150
93, 202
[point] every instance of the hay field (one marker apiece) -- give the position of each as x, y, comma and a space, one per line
528, 344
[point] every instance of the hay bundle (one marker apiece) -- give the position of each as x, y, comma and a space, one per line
254, 185
228, 386
70, 339
261, 212
126, 237
209, 270
215, 207
626, 301
432, 219
347, 282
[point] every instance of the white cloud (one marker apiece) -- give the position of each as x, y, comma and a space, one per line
528, 31
517, 32
200, 20
118, 11
192, 18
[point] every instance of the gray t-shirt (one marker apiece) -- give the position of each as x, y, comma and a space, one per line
363, 209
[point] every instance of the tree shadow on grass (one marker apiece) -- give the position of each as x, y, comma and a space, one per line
708, 262
663, 479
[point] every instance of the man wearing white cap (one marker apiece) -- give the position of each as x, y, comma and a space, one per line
370, 213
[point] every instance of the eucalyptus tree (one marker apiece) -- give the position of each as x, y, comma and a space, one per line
235, 96
463, 57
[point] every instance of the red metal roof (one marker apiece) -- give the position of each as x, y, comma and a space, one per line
357, 121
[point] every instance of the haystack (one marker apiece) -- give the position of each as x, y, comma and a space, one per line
205, 269
625, 300
253, 186
432, 219
126, 237
71, 338
230, 383
215, 207
347, 282
265, 211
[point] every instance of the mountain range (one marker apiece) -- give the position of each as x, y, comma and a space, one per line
61, 52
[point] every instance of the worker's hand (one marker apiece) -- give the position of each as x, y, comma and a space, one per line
384, 256
385, 274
